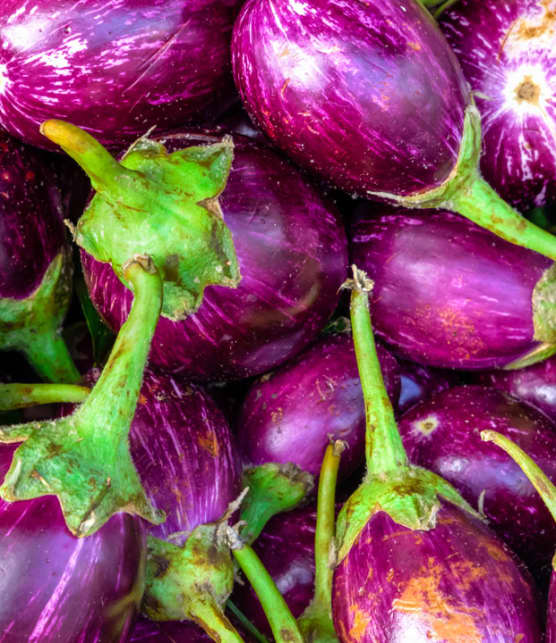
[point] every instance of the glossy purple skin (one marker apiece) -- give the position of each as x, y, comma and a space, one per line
417, 382
443, 434
535, 384
456, 582
114, 67
182, 448
58, 588
291, 415
286, 548
146, 631
447, 293
31, 218
367, 94
507, 50
292, 254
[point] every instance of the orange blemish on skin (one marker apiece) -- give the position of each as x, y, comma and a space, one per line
415, 46
360, 622
209, 443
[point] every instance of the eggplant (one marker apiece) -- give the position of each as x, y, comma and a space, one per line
450, 294
414, 561
117, 68
35, 263
371, 97
419, 382
535, 384
442, 434
146, 631
286, 546
507, 52
63, 589
292, 256
290, 415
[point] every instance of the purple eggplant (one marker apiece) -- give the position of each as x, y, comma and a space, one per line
291, 250
507, 53
419, 382
455, 583
35, 265
286, 547
371, 97
115, 67
146, 631
414, 561
293, 413
442, 434
448, 293
63, 589
535, 384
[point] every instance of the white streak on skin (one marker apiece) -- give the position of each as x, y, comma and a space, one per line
50, 608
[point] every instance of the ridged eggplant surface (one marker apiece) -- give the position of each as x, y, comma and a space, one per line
367, 94
291, 248
442, 434
455, 583
507, 50
291, 415
114, 67
57, 588
446, 292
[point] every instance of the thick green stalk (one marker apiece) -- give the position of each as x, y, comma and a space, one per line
384, 450
283, 624
49, 356
478, 202
209, 616
534, 473
19, 396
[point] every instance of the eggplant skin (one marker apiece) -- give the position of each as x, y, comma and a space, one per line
291, 415
146, 631
57, 588
292, 252
367, 94
454, 583
446, 292
442, 434
551, 612
114, 67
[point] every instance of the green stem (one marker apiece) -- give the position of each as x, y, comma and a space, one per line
283, 624
534, 473
19, 396
384, 450
208, 615
325, 532
443, 7
478, 202
49, 356
245, 622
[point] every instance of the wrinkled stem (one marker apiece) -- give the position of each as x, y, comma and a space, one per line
245, 622
478, 202
283, 624
208, 615
534, 473
19, 396
49, 356
384, 450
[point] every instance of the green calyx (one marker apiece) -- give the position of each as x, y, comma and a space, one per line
273, 488
192, 582
157, 204
84, 458
33, 325
464, 191
411, 497
544, 307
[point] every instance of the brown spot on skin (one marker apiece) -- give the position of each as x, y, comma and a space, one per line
427, 426
360, 622
414, 45
209, 443
142, 399
528, 91
284, 86
276, 416
160, 564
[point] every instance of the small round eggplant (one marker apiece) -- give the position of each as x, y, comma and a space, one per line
535, 384
116, 67
63, 589
455, 582
292, 255
507, 50
293, 413
442, 434
448, 293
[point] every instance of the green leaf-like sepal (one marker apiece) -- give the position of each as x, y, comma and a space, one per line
192, 582
157, 204
410, 498
544, 307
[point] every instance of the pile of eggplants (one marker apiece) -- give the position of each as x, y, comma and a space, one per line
306, 210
